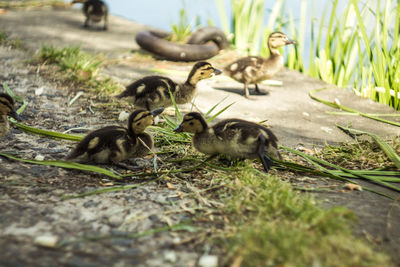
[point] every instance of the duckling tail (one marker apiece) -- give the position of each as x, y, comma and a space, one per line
265, 159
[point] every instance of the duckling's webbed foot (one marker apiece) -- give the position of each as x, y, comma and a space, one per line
258, 91
265, 160
226, 161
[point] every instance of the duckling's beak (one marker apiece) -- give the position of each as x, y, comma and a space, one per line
156, 112
14, 115
217, 71
178, 129
288, 42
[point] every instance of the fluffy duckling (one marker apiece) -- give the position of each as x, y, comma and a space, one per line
95, 11
252, 70
113, 144
6, 109
233, 137
153, 91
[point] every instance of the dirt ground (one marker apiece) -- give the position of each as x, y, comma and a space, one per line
30, 204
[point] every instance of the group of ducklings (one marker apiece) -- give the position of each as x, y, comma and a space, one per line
150, 95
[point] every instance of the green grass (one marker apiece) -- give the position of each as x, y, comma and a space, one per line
247, 18
78, 66
284, 228
273, 225
5, 40
354, 44
33, 3
181, 30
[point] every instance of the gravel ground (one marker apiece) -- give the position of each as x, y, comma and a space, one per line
30, 200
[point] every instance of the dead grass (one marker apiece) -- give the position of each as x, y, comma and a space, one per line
362, 154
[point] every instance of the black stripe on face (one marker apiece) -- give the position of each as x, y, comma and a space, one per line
142, 117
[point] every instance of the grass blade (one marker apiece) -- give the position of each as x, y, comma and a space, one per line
386, 148
334, 105
47, 133
67, 165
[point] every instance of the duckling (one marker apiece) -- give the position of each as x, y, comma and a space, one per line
252, 70
6, 109
95, 11
153, 91
113, 144
233, 137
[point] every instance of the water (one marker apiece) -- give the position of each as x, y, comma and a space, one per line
162, 14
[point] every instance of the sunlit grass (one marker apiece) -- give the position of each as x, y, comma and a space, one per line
273, 225
353, 44
78, 66
247, 20
181, 30
5, 40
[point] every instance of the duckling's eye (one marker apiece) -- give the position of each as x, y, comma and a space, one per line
138, 123
202, 72
191, 123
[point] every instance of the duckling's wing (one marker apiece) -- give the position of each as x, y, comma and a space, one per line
245, 64
150, 86
99, 140
247, 129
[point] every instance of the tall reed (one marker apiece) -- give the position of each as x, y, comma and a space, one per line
353, 44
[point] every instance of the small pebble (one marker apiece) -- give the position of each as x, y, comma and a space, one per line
39, 91
39, 157
123, 116
170, 256
49, 241
208, 261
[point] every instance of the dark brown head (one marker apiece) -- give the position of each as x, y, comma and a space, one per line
7, 106
201, 70
139, 120
192, 122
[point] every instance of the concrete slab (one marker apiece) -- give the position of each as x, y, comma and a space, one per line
293, 116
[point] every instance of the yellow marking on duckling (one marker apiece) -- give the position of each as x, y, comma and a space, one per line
161, 90
140, 88
238, 76
228, 125
250, 140
234, 67
93, 143
102, 156
249, 71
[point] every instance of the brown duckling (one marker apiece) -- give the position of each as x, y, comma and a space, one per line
113, 144
153, 91
233, 137
6, 109
253, 70
95, 11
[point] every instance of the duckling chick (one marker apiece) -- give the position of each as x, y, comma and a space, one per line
153, 91
113, 144
95, 11
6, 109
233, 137
253, 70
